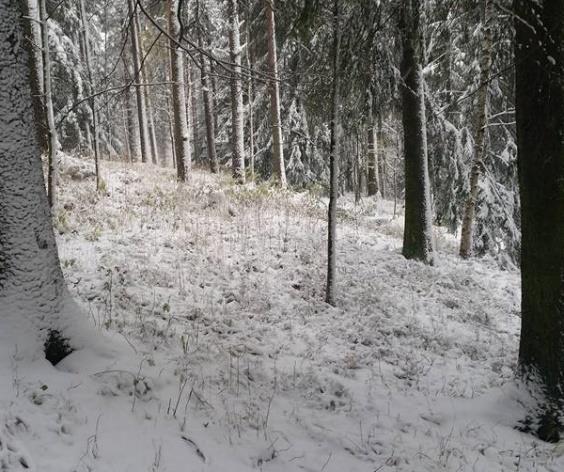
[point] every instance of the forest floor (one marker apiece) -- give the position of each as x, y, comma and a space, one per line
226, 358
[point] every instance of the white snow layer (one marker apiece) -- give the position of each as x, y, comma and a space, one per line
216, 352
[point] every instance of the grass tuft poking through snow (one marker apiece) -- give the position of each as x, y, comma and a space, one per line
223, 356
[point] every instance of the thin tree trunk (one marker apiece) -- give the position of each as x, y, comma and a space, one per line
132, 119
372, 156
196, 139
273, 88
250, 94
53, 169
209, 115
152, 129
92, 101
418, 232
334, 159
539, 110
480, 126
381, 159
181, 139
237, 112
33, 36
139, 94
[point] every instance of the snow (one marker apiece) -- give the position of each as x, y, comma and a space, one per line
214, 351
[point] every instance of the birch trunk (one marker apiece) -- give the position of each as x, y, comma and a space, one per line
274, 90
181, 139
418, 232
480, 131
237, 112
334, 159
131, 117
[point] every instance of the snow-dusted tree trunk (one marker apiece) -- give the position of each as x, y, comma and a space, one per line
237, 111
33, 33
196, 139
139, 94
480, 131
250, 92
31, 281
131, 116
372, 157
152, 129
208, 115
274, 90
334, 158
181, 136
381, 159
53, 169
87, 58
539, 110
418, 232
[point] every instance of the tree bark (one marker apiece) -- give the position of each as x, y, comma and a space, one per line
181, 138
33, 36
540, 131
334, 158
237, 112
132, 119
381, 159
480, 131
139, 94
31, 281
209, 115
372, 156
86, 39
53, 168
274, 90
418, 232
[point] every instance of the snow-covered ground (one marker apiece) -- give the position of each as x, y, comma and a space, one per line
222, 355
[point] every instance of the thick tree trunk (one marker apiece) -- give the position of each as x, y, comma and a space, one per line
209, 115
418, 232
31, 281
480, 131
181, 137
540, 142
237, 111
53, 168
86, 39
334, 159
274, 90
139, 94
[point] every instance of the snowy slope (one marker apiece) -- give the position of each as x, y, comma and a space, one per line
222, 355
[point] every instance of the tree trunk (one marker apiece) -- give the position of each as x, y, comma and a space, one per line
53, 169
181, 139
209, 115
152, 129
273, 88
334, 158
196, 139
372, 156
250, 95
132, 119
86, 39
31, 281
33, 34
139, 94
480, 130
237, 112
540, 131
418, 232
381, 160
